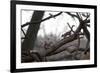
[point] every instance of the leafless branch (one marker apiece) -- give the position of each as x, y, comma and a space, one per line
23, 32
73, 15
79, 17
71, 28
22, 37
88, 25
35, 22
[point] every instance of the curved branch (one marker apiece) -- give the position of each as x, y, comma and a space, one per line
73, 15
35, 22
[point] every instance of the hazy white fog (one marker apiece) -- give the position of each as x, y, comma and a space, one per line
56, 26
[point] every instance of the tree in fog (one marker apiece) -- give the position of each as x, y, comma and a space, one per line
29, 54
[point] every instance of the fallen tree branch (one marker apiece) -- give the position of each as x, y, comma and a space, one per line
63, 41
68, 39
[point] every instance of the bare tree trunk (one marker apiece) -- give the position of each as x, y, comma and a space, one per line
28, 43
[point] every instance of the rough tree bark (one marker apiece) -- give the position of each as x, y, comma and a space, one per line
32, 31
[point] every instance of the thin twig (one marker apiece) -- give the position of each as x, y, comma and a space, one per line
23, 32
71, 28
